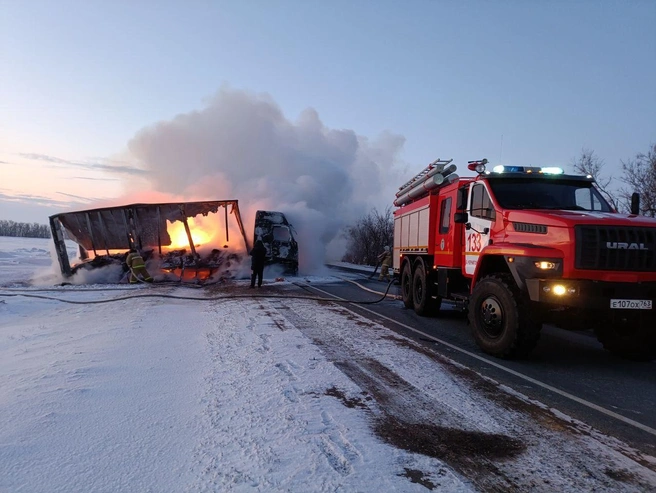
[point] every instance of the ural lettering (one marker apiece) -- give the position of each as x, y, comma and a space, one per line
616, 245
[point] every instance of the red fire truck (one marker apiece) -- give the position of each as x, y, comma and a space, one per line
519, 246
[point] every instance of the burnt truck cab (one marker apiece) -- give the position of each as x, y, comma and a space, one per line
520, 246
278, 236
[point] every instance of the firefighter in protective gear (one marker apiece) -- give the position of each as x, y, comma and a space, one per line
385, 260
137, 267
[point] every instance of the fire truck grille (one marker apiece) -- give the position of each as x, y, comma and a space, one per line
530, 228
615, 248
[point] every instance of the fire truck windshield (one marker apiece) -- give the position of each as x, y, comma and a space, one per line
551, 194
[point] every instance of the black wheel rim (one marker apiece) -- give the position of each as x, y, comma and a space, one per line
492, 317
419, 291
406, 286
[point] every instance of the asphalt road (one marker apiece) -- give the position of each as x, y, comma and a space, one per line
568, 371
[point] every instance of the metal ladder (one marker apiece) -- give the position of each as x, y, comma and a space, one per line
423, 173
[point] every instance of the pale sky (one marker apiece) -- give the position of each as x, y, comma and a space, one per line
514, 81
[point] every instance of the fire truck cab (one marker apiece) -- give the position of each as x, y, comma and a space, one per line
519, 246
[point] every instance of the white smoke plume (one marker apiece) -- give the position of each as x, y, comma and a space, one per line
241, 146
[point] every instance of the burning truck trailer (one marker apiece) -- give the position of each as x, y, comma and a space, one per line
167, 235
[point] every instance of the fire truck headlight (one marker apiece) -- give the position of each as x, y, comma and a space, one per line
545, 265
559, 290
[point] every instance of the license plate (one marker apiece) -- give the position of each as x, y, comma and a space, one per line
631, 304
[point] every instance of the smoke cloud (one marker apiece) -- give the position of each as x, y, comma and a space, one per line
241, 146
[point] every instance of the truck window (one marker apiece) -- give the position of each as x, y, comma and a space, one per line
461, 204
587, 200
281, 233
445, 216
481, 205
544, 193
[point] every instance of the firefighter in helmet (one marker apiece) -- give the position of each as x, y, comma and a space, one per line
137, 267
385, 260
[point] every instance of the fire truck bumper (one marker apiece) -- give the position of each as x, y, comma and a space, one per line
595, 295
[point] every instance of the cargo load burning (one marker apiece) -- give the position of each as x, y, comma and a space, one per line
167, 235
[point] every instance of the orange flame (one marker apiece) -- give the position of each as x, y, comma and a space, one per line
207, 232
200, 236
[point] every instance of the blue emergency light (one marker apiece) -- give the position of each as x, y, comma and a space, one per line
549, 170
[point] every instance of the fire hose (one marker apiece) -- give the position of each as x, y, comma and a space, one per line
375, 269
134, 274
199, 298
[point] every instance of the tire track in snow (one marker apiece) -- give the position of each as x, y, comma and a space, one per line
268, 395
243, 431
411, 409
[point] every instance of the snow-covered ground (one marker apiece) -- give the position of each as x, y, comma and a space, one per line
174, 389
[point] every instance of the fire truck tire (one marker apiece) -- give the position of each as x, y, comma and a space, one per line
406, 285
422, 299
635, 341
500, 319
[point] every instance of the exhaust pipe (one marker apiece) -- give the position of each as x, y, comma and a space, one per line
635, 203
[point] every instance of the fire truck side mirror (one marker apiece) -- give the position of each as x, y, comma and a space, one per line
460, 217
635, 203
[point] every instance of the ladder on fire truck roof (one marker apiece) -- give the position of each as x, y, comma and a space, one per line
422, 174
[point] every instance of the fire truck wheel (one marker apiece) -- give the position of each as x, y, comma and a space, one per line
630, 339
423, 302
406, 285
500, 321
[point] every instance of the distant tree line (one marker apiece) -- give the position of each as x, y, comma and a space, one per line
24, 230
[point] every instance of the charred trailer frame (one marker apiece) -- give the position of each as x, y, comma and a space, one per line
140, 226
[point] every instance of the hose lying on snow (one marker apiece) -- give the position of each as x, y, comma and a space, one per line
199, 298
